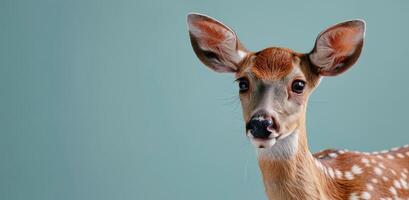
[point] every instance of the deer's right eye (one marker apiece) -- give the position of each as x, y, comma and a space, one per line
243, 85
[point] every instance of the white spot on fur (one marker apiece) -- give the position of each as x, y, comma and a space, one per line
356, 169
338, 174
332, 155
379, 156
384, 178
331, 172
353, 196
393, 172
400, 155
395, 148
365, 160
369, 187
374, 180
319, 164
377, 171
393, 190
397, 184
389, 156
365, 195
382, 166
404, 184
349, 176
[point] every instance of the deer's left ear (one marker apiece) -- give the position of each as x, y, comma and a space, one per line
338, 47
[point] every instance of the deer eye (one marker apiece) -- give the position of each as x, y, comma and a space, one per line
243, 85
298, 86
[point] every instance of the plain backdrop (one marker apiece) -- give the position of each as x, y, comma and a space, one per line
103, 100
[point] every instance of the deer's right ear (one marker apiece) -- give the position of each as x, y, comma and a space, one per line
215, 44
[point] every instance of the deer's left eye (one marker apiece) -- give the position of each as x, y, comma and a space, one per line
243, 85
298, 86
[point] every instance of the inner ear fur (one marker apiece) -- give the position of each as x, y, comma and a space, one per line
338, 47
215, 44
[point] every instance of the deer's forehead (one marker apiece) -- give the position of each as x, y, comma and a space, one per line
271, 63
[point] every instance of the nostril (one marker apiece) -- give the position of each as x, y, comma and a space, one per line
266, 123
274, 126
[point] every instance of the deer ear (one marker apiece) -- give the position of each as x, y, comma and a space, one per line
338, 47
215, 44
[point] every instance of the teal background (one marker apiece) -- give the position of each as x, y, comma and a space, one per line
106, 99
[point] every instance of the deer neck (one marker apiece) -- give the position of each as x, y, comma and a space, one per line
296, 177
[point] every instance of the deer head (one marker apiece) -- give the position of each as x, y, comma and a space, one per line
275, 83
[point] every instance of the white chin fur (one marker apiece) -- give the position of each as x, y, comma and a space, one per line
261, 144
281, 149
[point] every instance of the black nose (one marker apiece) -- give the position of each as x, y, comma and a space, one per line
258, 127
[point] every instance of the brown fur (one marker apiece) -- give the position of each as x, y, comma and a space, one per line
273, 63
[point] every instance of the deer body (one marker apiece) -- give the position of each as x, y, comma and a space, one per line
338, 174
275, 84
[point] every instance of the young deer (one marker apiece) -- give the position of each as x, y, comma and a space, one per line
274, 85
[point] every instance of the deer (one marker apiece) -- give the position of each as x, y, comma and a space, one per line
274, 87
